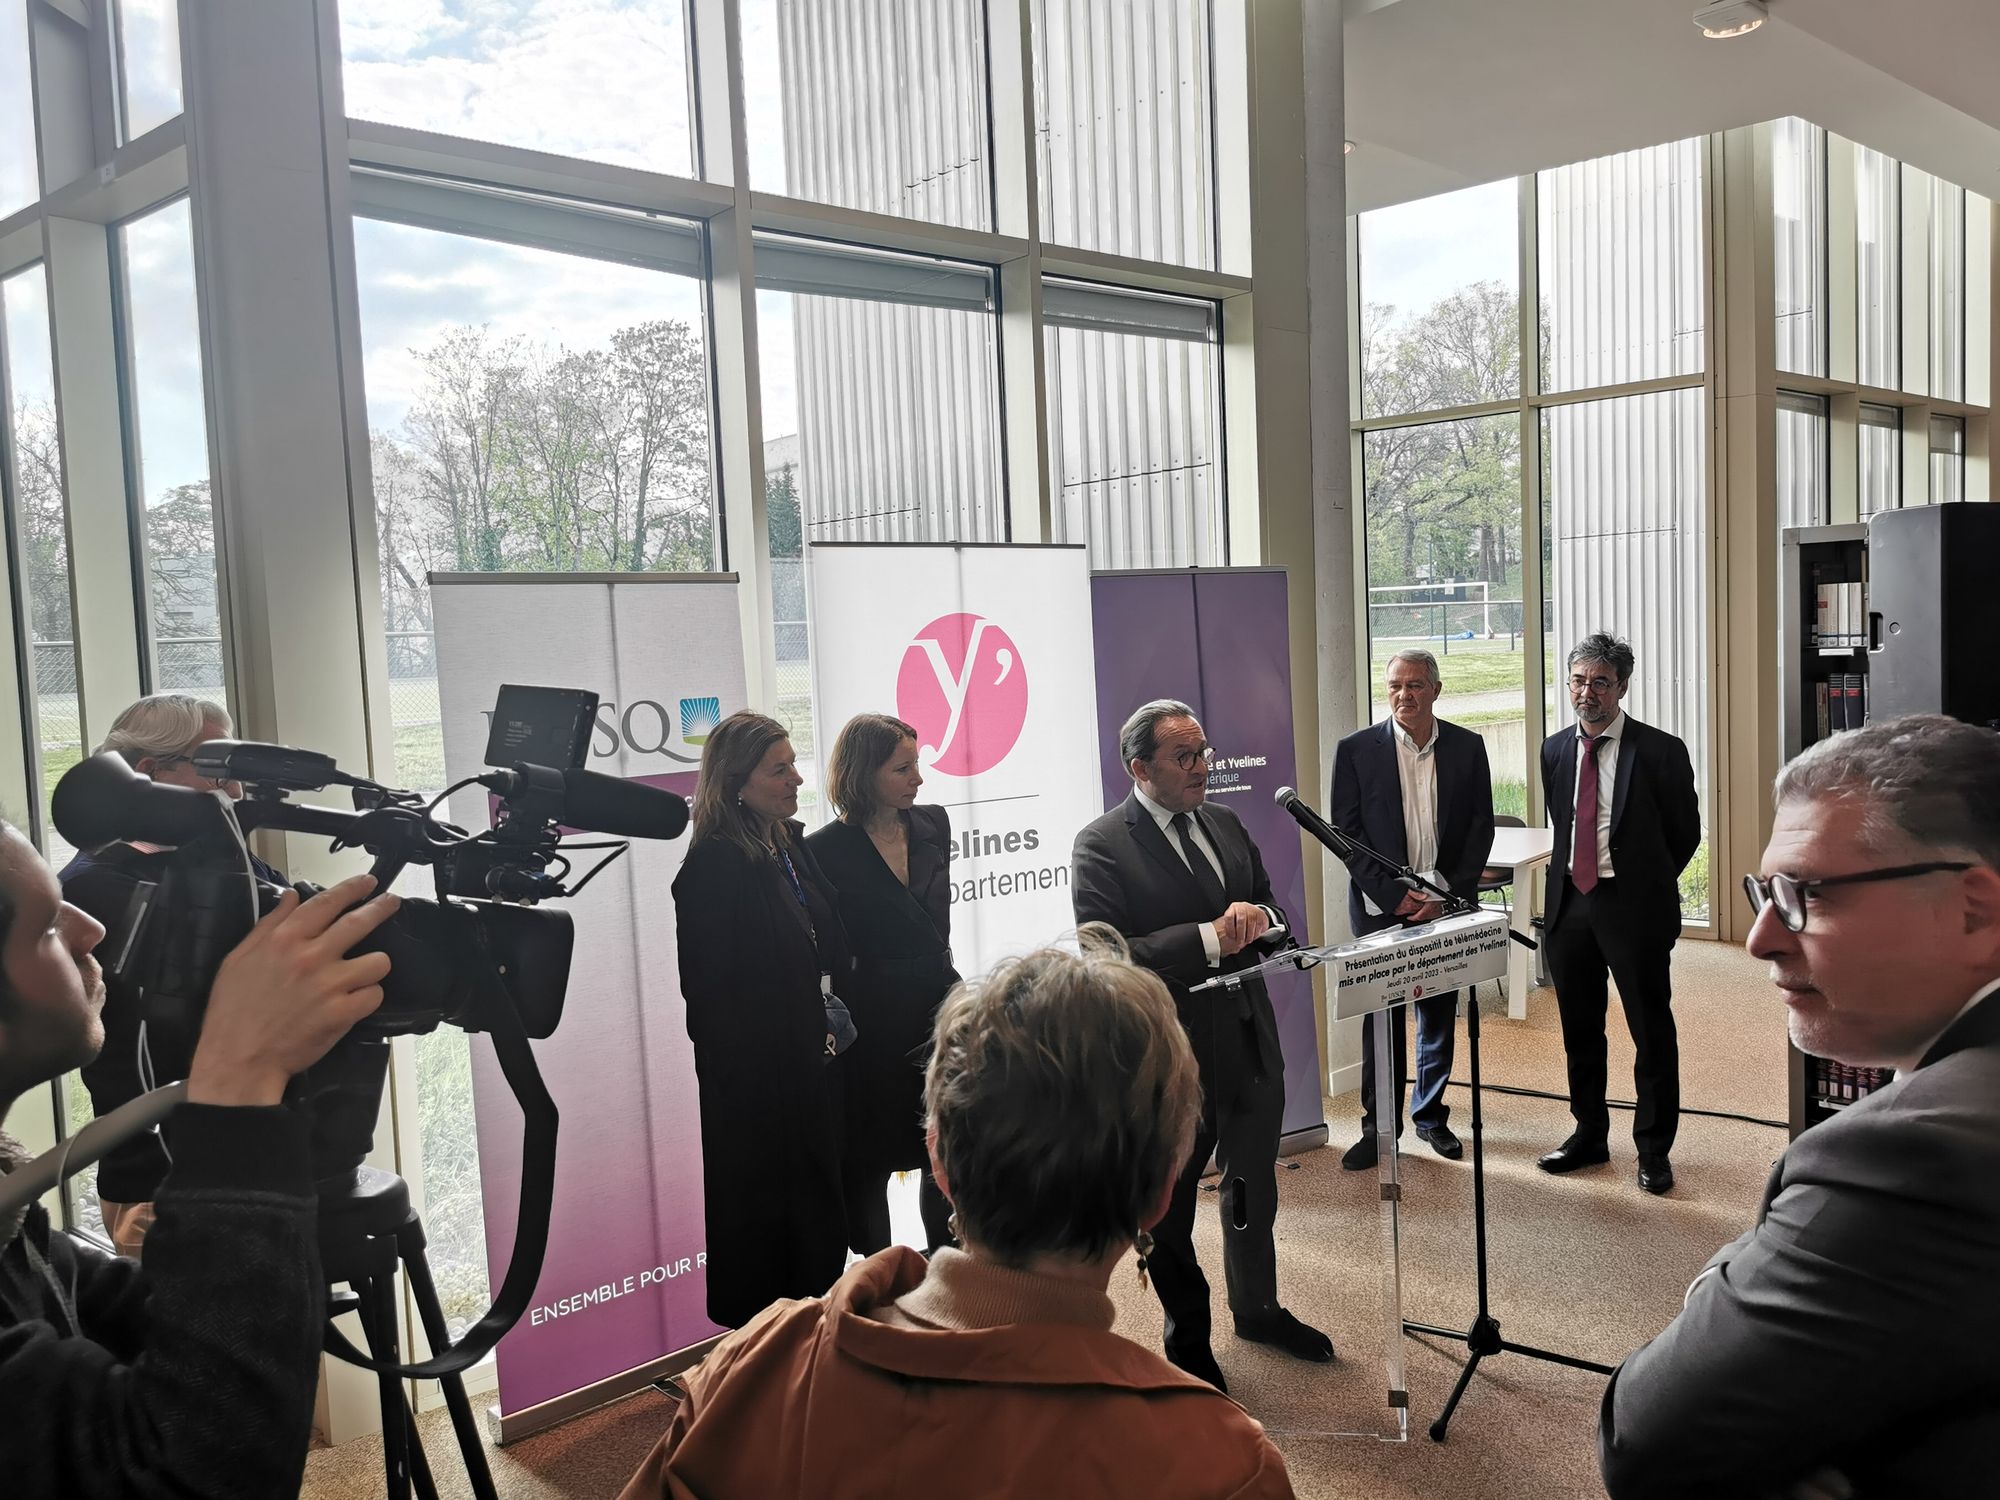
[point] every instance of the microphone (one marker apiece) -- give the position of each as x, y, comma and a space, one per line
1342, 846
259, 764
101, 800
591, 802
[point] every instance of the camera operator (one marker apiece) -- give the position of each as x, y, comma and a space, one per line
196, 1374
156, 736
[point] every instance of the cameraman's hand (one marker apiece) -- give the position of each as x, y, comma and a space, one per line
286, 995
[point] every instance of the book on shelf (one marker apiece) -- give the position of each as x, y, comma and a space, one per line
1822, 710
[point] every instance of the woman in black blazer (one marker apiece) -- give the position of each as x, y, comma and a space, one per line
761, 945
891, 861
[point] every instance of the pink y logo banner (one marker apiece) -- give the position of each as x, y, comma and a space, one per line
964, 688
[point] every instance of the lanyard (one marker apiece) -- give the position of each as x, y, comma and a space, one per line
812, 928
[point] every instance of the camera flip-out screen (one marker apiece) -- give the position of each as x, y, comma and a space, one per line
541, 726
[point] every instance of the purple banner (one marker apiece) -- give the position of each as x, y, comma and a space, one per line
1220, 641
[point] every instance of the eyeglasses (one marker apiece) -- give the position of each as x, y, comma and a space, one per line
1595, 684
1788, 893
1187, 760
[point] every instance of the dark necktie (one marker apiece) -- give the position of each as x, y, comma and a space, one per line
1583, 861
1198, 865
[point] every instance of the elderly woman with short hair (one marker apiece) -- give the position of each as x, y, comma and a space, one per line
1062, 1097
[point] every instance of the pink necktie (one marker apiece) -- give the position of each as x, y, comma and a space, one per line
1583, 861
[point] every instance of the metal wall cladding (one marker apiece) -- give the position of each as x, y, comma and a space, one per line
899, 423
1802, 462
1798, 233
1621, 268
1625, 509
1124, 94
1135, 447
885, 107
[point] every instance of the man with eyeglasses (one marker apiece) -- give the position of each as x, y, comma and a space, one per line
1626, 821
1844, 1346
1184, 884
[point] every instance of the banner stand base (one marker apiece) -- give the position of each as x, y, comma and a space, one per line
1311, 1138
511, 1427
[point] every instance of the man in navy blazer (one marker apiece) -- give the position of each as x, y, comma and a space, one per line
1626, 821
1420, 792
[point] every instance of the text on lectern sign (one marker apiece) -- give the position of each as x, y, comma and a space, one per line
1402, 964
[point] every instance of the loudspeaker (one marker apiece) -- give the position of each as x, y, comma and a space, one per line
1934, 612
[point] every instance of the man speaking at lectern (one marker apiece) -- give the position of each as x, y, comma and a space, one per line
1845, 1345
1185, 886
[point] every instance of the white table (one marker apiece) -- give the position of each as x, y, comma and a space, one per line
1521, 850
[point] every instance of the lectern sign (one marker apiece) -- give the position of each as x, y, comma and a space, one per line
1401, 964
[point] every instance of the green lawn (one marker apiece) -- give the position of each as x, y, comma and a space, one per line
1466, 666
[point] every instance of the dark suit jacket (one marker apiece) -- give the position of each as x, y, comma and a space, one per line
1655, 819
1855, 1325
1367, 804
1127, 874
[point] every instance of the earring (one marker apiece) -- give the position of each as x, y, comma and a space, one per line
951, 1224
1142, 1243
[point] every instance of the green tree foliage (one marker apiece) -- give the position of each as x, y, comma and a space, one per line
781, 511
44, 533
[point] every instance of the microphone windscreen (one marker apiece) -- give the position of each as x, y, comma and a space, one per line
1283, 796
101, 800
626, 809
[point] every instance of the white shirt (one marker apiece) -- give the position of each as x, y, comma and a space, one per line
1607, 789
1211, 944
1909, 1065
1416, 767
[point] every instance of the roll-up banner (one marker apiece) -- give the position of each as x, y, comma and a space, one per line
1219, 640
985, 651
624, 1285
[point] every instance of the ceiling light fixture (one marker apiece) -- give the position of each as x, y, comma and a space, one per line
1726, 18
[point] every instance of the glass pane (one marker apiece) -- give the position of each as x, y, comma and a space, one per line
35, 490
149, 63
876, 107
1441, 301
1622, 504
1947, 459
1947, 301
169, 436
1444, 574
1124, 104
19, 186
1881, 459
1135, 448
1878, 269
606, 80
1620, 244
1802, 461
1798, 203
485, 366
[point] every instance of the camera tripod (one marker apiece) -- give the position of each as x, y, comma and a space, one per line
366, 1230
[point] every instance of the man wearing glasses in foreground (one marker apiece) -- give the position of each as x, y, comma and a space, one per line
1184, 885
1845, 1345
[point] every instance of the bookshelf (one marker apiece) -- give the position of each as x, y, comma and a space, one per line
1823, 681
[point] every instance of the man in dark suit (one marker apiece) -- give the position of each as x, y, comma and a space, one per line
1186, 887
1844, 1345
1626, 821
1418, 791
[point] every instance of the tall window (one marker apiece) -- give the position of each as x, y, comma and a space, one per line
1623, 510
168, 434
881, 396
1878, 270
1802, 460
19, 184
1621, 267
1881, 459
1947, 295
876, 107
1124, 122
1444, 573
1135, 426
605, 80
147, 51
1947, 459
1441, 301
33, 486
1798, 204
528, 411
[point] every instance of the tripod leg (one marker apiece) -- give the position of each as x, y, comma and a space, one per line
423, 1290
378, 1320
1464, 1379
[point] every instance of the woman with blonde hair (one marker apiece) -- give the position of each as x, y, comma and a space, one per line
891, 860
761, 951
1062, 1096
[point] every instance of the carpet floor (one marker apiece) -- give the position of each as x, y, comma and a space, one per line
1585, 1265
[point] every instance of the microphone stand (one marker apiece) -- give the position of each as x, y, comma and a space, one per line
1483, 1337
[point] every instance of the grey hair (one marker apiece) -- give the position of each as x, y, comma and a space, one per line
1924, 779
163, 725
1140, 738
1601, 645
1422, 658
